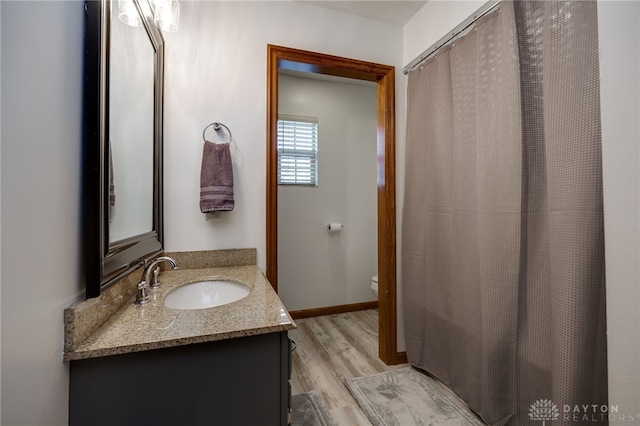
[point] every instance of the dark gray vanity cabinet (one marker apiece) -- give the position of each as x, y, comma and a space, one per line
241, 381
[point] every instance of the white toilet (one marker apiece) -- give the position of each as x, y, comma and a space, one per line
374, 285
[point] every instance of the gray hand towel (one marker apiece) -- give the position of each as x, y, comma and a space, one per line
216, 178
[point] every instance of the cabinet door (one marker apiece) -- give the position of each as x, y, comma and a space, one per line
287, 346
240, 382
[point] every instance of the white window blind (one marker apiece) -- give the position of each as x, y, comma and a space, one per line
297, 150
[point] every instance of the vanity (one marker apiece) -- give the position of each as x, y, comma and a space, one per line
149, 364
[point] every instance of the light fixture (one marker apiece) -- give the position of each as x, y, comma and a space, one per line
166, 14
128, 13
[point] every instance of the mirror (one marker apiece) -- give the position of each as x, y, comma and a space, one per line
131, 84
122, 156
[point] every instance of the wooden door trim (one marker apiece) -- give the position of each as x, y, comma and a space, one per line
384, 76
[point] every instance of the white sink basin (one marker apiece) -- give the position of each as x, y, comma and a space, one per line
205, 294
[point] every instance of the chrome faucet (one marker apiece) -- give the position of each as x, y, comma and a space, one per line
145, 282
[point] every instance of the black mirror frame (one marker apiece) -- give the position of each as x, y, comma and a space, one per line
106, 263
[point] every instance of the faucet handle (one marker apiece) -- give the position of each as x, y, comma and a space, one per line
143, 293
156, 282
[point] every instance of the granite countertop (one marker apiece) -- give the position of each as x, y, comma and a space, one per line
152, 326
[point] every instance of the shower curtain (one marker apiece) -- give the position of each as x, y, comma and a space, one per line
503, 240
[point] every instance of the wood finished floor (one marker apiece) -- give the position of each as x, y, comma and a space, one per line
330, 349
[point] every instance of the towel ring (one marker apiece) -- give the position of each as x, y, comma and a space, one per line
216, 126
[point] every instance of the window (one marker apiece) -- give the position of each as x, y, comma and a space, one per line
297, 151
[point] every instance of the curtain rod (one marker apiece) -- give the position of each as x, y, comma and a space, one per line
486, 8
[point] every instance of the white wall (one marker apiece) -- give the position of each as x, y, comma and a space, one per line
41, 133
619, 35
435, 20
618, 32
317, 268
224, 45
216, 71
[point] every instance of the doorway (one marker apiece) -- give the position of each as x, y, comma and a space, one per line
384, 76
